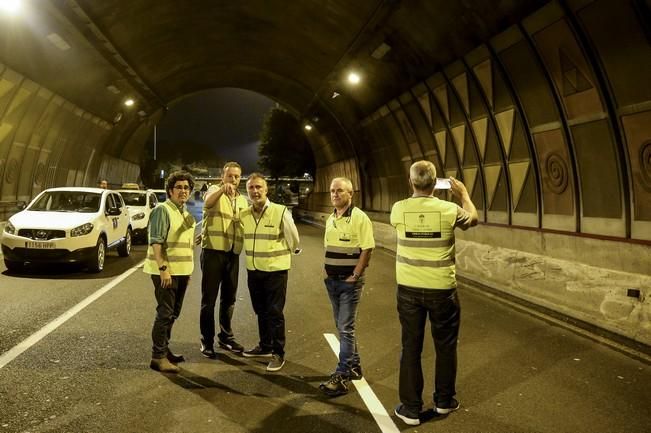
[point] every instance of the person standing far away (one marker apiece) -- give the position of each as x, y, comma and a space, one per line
348, 242
221, 245
425, 272
102, 183
170, 262
270, 237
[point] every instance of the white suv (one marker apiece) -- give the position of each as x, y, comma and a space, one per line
140, 204
68, 225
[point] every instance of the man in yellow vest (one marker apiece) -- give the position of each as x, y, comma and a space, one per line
170, 262
221, 245
270, 237
348, 242
425, 271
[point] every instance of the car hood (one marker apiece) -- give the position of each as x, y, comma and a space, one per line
50, 220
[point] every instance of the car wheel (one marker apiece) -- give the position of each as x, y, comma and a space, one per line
96, 263
14, 266
125, 247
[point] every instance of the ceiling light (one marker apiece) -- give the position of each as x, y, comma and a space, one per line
58, 41
129, 102
380, 51
10, 6
354, 78
334, 95
113, 89
308, 127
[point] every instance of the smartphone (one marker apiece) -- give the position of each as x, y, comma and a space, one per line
442, 183
297, 251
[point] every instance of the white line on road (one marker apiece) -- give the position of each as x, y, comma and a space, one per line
14, 352
369, 398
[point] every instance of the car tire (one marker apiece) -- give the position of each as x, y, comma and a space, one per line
125, 247
14, 266
96, 263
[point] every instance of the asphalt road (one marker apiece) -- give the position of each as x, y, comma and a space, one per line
517, 373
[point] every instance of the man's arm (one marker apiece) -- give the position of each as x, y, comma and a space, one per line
159, 226
290, 231
459, 190
212, 196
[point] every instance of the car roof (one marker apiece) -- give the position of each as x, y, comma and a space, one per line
141, 191
78, 189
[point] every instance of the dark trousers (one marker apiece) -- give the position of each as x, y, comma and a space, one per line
170, 301
444, 311
219, 270
268, 291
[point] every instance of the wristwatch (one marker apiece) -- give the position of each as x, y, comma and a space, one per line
163, 268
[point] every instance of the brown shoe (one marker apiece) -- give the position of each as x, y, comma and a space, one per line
163, 365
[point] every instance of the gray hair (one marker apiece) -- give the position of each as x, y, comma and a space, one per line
345, 180
422, 175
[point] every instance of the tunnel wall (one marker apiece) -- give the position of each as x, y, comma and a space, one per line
549, 126
47, 141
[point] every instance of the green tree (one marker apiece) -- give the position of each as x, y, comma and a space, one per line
284, 149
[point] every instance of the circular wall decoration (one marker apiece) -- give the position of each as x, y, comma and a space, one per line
12, 170
645, 165
557, 173
39, 175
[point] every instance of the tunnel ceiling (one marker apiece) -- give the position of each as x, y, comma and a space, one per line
296, 52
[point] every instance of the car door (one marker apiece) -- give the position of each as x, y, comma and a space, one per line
123, 218
112, 221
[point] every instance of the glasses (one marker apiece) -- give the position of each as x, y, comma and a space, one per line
182, 187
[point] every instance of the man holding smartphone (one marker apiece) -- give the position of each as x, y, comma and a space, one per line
425, 272
170, 262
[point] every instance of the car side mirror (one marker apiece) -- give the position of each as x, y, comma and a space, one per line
152, 204
113, 211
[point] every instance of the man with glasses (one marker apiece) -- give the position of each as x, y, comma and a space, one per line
170, 262
221, 245
348, 244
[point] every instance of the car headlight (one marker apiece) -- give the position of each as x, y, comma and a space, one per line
9, 228
138, 216
83, 229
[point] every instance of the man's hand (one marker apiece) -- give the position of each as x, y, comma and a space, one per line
165, 279
229, 189
458, 188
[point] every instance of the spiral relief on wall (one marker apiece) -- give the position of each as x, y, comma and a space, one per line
39, 176
645, 165
557, 173
12, 170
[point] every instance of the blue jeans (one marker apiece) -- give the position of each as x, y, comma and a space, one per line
444, 311
344, 298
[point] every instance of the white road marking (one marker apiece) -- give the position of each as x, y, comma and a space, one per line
369, 398
15, 351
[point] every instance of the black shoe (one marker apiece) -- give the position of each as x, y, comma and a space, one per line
336, 385
407, 416
257, 352
356, 373
208, 350
231, 345
446, 408
174, 358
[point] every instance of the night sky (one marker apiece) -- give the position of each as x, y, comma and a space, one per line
228, 120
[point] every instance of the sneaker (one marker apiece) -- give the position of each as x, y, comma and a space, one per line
356, 373
231, 345
451, 406
257, 352
163, 365
406, 416
336, 385
276, 363
208, 350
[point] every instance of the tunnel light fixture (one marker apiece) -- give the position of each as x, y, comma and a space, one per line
308, 127
354, 78
129, 102
58, 41
11, 7
113, 89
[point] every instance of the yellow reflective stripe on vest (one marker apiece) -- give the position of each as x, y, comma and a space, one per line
267, 253
425, 263
271, 237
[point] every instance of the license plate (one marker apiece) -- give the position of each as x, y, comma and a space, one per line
40, 245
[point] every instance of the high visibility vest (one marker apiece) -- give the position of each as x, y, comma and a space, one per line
264, 242
425, 253
343, 239
220, 229
178, 249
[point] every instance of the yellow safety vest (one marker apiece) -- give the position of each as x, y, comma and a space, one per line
264, 242
425, 253
178, 249
220, 229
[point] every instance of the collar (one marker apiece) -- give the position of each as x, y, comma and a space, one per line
266, 205
346, 214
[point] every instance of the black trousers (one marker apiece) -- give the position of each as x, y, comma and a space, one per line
268, 291
444, 311
170, 301
219, 271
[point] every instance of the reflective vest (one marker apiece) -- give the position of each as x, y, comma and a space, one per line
425, 253
342, 241
220, 229
178, 248
264, 243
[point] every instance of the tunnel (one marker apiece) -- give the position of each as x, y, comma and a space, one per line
542, 108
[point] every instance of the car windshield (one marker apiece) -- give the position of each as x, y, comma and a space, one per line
161, 196
67, 201
134, 198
